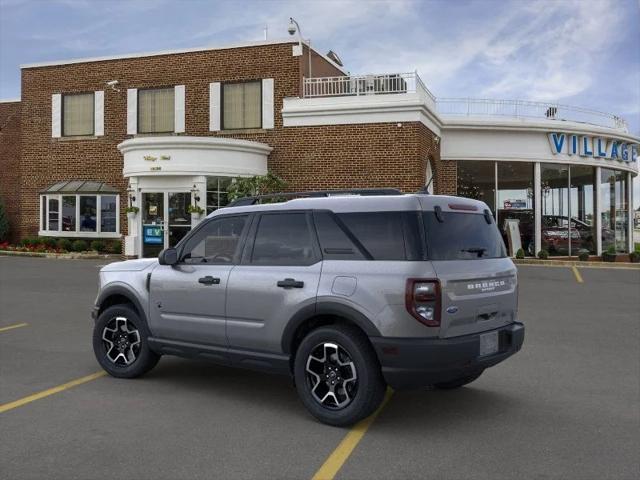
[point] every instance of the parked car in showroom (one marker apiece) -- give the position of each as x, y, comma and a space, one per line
346, 292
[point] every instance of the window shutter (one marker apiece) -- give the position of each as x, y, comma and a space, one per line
56, 115
98, 112
132, 111
179, 100
267, 103
214, 106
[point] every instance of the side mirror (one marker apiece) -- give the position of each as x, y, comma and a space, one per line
168, 256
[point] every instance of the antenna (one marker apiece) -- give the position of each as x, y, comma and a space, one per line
266, 32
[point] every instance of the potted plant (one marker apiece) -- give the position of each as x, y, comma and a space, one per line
583, 255
610, 255
543, 254
635, 255
520, 254
195, 211
132, 212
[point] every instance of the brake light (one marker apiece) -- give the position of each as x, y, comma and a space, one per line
422, 299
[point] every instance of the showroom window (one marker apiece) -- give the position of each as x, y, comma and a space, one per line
79, 208
515, 201
156, 110
477, 180
217, 192
614, 210
582, 208
78, 114
241, 105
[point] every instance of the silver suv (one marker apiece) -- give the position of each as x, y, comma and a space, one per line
345, 293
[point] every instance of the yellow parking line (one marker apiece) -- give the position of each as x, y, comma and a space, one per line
577, 274
334, 463
11, 327
51, 391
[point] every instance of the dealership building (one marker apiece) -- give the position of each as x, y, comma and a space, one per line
162, 131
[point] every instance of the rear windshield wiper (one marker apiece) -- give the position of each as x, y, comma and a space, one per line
479, 250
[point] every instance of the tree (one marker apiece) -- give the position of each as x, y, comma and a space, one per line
4, 223
257, 185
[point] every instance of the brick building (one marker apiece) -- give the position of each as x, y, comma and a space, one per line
166, 130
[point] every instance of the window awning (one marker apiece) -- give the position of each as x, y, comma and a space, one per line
80, 186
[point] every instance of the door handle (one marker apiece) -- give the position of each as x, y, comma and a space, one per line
209, 280
290, 283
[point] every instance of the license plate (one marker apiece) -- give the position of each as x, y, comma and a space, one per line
488, 343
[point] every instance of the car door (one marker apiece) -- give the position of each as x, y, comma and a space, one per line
278, 276
187, 300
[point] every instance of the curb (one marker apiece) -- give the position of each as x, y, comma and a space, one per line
576, 263
62, 256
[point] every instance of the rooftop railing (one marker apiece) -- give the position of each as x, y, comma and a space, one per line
478, 107
355, 85
398, 83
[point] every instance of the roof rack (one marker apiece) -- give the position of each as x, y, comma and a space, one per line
244, 201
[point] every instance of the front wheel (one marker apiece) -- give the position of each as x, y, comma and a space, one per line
120, 343
338, 376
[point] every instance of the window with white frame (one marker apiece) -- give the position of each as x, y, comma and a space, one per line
242, 105
217, 192
78, 114
156, 110
79, 209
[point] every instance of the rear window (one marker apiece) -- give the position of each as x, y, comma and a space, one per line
462, 236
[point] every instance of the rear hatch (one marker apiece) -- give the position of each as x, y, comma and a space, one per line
478, 282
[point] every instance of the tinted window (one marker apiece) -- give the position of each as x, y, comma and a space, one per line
334, 241
462, 236
283, 239
216, 243
380, 233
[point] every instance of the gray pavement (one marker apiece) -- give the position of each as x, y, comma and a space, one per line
567, 406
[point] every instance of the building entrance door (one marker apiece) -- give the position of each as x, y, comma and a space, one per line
165, 220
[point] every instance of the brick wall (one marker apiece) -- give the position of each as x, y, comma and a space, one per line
343, 156
10, 162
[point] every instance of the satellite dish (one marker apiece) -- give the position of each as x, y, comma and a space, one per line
335, 58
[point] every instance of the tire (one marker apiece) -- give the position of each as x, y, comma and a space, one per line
458, 382
359, 386
123, 353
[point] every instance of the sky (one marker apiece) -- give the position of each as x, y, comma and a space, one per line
576, 52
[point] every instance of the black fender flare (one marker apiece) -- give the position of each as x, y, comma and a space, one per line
121, 290
326, 308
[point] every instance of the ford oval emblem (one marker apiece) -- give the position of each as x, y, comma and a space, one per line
453, 309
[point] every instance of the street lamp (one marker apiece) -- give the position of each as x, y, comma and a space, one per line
293, 28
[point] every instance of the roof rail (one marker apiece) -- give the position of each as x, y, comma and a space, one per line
244, 201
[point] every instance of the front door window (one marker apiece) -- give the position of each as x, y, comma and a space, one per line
152, 223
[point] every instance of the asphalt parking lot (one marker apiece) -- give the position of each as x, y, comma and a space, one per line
567, 406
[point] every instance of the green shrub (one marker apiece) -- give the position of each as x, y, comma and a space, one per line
611, 250
48, 242
98, 246
79, 246
4, 224
634, 257
543, 254
520, 253
583, 255
115, 247
65, 244
257, 185
29, 242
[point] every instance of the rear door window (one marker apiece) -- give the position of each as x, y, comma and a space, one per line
284, 239
462, 236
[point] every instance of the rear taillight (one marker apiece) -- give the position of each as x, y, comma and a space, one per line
422, 298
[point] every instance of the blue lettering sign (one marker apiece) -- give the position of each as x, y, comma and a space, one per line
601, 151
586, 150
557, 142
614, 150
624, 152
573, 149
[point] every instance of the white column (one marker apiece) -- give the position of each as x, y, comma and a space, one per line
268, 112
630, 211
537, 207
598, 212
56, 115
214, 107
179, 101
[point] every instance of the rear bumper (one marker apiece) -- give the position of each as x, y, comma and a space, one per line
413, 363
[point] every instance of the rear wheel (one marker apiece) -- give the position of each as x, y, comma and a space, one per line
338, 376
458, 382
120, 343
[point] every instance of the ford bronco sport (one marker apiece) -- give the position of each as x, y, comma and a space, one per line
347, 293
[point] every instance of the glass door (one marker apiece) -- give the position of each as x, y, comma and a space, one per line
153, 215
179, 218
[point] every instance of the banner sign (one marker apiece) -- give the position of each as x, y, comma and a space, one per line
589, 146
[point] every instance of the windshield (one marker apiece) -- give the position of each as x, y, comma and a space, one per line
462, 236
